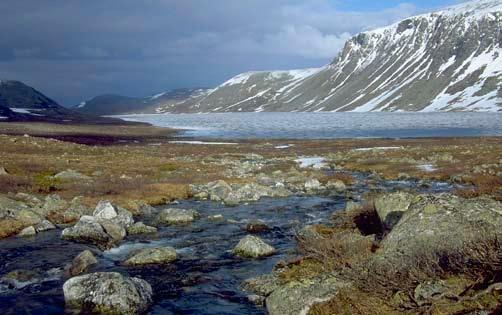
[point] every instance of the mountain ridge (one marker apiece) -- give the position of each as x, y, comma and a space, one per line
447, 60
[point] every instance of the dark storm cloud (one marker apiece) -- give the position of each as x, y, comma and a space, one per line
74, 49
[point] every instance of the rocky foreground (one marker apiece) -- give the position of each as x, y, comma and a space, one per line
388, 252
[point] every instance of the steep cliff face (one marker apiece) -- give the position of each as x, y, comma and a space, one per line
448, 60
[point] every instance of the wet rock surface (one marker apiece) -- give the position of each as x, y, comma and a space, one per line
108, 293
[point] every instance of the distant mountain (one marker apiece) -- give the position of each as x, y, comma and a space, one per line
20, 102
116, 104
450, 60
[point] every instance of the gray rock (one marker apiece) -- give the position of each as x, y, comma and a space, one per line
148, 256
443, 223
19, 279
108, 292
218, 190
54, 203
262, 285
30, 200
82, 262
297, 298
105, 210
115, 230
3, 172
391, 207
253, 247
88, 230
141, 228
426, 291
45, 225
27, 232
71, 175
312, 185
175, 216
337, 185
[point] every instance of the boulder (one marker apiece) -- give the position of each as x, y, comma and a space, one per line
391, 207
71, 175
3, 171
20, 278
54, 203
262, 285
253, 247
14, 216
82, 262
115, 230
45, 225
337, 185
30, 200
149, 256
254, 192
105, 210
141, 228
108, 293
441, 223
28, 231
175, 216
88, 230
312, 185
297, 297
218, 190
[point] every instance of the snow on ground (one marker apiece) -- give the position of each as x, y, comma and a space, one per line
427, 167
20, 110
3, 117
203, 142
284, 146
377, 148
156, 96
314, 162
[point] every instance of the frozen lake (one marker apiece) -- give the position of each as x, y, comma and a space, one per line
327, 125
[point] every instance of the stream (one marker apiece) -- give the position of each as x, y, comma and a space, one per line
206, 277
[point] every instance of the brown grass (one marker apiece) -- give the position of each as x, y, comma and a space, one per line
484, 185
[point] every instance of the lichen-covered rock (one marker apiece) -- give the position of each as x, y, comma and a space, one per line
14, 216
218, 190
175, 216
253, 247
148, 256
337, 185
254, 192
297, 297
71, 175
141, 228
88, 230
108, 293
45, 225
105, 210
442, 222
115, 230
81, 263
390, 207
27, 232
262, 285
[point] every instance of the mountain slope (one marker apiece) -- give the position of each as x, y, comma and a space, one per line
116, 104
450, 60
20, 102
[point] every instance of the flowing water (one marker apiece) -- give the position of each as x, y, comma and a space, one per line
328, 125
206, 277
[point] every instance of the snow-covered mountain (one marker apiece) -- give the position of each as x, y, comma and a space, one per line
449, 60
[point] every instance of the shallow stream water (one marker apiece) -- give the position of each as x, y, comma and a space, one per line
206, 277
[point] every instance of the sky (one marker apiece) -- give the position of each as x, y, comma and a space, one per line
73, 50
